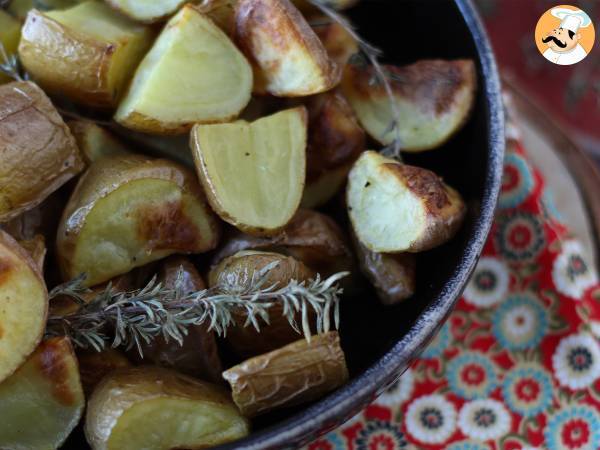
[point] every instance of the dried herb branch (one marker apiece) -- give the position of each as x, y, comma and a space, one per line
142, 315
372, 55
10, 65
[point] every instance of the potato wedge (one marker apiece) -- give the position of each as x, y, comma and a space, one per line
198, 355
434, 100
127, 211
10, 32
20, 8
36, 163
180, 411
340, 44
36, 247
335, 141
95, 142
297, 373
288, 57
23, 305
86, 53
213, 84
397, 208
221, 12
240, 268
42, 402
93, 366
392, 275
253, 173
147, 11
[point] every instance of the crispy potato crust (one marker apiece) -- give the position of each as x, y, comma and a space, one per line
36, 163
295, 374
93, 366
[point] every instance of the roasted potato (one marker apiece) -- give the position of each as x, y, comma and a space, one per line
240, 269
335, 141
157, 409
23, 305
338, 42
127, 211
253, 173
197, 355
86, 53
397, 208
288, 57
93, 366
297, 373
36, 247
95, 142
392, 275
42, 401
35, 163
221, 12
434, 99
20, 8
10, 31
213, 83
147, 11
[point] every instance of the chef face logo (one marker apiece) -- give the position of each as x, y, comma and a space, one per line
564, 35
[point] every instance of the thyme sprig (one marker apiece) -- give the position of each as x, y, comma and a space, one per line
10, 65
372, 55
133, 318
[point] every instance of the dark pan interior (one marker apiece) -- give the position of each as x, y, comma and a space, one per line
380, 342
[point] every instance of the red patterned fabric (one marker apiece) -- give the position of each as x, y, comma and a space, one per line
517, 365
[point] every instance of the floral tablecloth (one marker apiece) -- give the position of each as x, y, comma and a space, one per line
517, 365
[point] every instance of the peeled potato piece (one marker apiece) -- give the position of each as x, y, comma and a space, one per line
240, 268
10, 31
335, 140
146, 11
158, 409
87, 53
221, 12
288, 57
23, 305
434, 100
192, 74
253, 173
42, 402
392, 275
398, 208
35, 163
294, 374
127, 211
95, 142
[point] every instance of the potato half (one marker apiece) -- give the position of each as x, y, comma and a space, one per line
335, 141
240, 268
93, 366
213, 80
87, 53
10, 32
42, 402
221, 12
288, 57
297, 373
147, 11
398, 208
253, 173
434, 100
35, 163
127, 211
158, 409
340, 44
95, 142
23, 305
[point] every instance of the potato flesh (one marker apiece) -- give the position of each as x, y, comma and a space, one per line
192, 74
159, 409
10, 30
433, 98
23, 305
95, 142
254, 172
42, 401
146, 10
384, 212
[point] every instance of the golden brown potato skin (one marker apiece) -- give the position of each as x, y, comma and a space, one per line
246, 341
392, 276
340, 45
36, 247
198, 356
35, 163
93, 366
297, 373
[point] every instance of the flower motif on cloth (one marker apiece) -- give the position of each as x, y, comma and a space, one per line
573, 427
400, 391
517, 181
380, 435
572, 272
484, 419
527, 389
431, 419
471, 375
576, 361
488, 284
520, 236
520, 322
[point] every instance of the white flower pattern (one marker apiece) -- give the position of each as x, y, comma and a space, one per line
399, 392
484, 419
572, 273
576, 361
431, 419
489, 283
